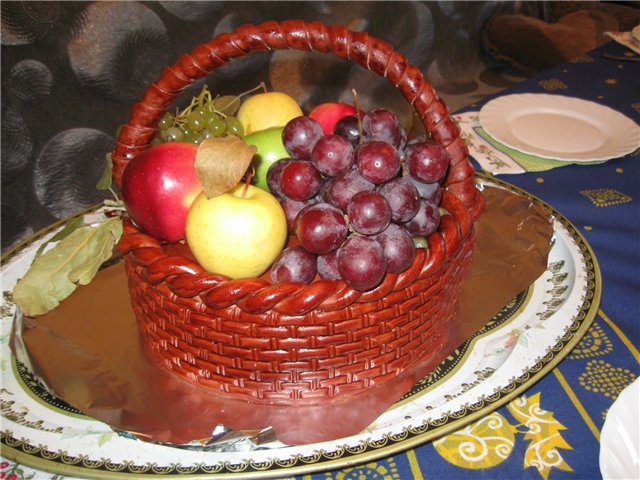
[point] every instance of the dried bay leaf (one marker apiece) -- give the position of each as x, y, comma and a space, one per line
221, 162
74, 260
70, 227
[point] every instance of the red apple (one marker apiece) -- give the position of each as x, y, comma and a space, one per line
328, 114
158, 187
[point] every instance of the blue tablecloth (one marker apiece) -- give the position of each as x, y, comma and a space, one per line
602, 203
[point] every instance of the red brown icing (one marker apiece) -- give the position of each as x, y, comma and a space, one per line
291, 342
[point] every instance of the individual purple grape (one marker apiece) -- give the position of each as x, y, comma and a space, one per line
324, 194
369, 212
274, 176
428, 191
327, 266
426, 161
398, 247
300, 180
292, 208
361, 262
377, 161
426, 220
294, 264
403, 198
332, 155
348, 128
321, 228
383, 125
300, 135
346, 186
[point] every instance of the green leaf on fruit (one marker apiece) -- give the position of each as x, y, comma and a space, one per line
221, 162
227, 104
73, 261
105, 180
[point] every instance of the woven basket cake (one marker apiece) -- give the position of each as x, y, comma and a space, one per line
292, 343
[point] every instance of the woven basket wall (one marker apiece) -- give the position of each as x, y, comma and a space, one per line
294, 342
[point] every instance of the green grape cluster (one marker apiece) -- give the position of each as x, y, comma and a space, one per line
205, 117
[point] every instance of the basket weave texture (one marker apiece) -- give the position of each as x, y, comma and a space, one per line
294, 342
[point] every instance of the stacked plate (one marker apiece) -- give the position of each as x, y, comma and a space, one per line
620, 436
560, 128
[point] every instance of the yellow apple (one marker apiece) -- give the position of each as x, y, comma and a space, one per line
266, 110
238, 233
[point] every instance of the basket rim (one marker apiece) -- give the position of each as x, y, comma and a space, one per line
460, 196
186, 278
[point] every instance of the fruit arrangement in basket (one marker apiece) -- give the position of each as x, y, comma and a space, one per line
357, 198
289, 259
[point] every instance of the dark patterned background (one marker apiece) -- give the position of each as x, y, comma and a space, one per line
71, 70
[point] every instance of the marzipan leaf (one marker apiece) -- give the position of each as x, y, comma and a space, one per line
105, 180
227, 104
55, 274
221, 163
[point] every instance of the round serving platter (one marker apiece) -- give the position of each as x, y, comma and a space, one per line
528, 338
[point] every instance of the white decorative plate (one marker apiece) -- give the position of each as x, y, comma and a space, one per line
559, 127
620, 436
523, 342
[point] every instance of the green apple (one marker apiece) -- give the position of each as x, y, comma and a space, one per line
238, 233
270, 149
266, 110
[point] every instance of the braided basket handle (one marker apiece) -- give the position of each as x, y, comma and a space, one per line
359, 47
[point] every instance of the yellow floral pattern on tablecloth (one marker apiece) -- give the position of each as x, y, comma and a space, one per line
483, 444
595, 343
584, 58
602, 377
606, 197
491, 440
380, 470
553, 84
543, 434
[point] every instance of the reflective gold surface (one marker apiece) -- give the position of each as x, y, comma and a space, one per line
88, 350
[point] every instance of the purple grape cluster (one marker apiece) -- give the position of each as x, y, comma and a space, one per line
358, 200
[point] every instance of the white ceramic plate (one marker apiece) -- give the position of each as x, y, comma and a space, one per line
620, 436
514, 350
559, 127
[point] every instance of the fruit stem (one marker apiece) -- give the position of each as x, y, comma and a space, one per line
261, 85
194, 101
251, 172
115, 195
358, 116
204, 95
